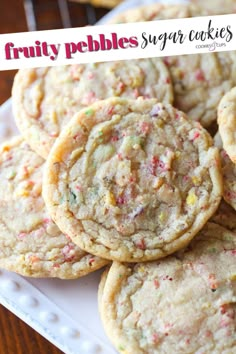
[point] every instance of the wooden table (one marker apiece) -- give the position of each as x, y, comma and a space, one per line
15, 336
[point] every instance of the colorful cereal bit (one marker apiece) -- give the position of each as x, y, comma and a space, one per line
156, 283
110, 199
155, 111
145, 127
191, 198
196, 180
213, 282
89, 112
91, 261
141, 244
199, 75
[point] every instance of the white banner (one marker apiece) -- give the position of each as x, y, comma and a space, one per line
118, 42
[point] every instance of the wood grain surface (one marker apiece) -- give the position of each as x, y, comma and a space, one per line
15, 336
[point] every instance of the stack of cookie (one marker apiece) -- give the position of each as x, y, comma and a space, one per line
116, 165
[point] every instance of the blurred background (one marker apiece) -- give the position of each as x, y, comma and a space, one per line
36, 15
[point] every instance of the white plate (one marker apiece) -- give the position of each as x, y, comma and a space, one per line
64, 312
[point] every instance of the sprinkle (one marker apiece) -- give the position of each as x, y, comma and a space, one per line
223, 309
208, 334
30, 183
22, 193
78, 188
158, 182
177, 116
91, 261
196, 180
56, 265
53, 135
155, 338
120, 156
110, 110
22, 235
121, 86
68, 252
213, 282
72, 197
114, 138
224, 154
141, 269
230, 195
136, 213
191, 198
40, 232
12, 174
100, 133
77, 136
162, 216
195, 136
167, 80
132, 178
186, 178
136, 93
26, 171
145, 127
156, 283
91, 75
155, 111
121, 348
153, 165
162, 166
34, 259
199, 75
46, 220
110, 198
167, 61
89, 112
167, 277
141, 245
120, 200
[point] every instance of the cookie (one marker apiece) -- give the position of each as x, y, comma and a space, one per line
132, 180
199, 80
229, 174
44, 100
180, 304
227, 123
217, 7
30, 242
